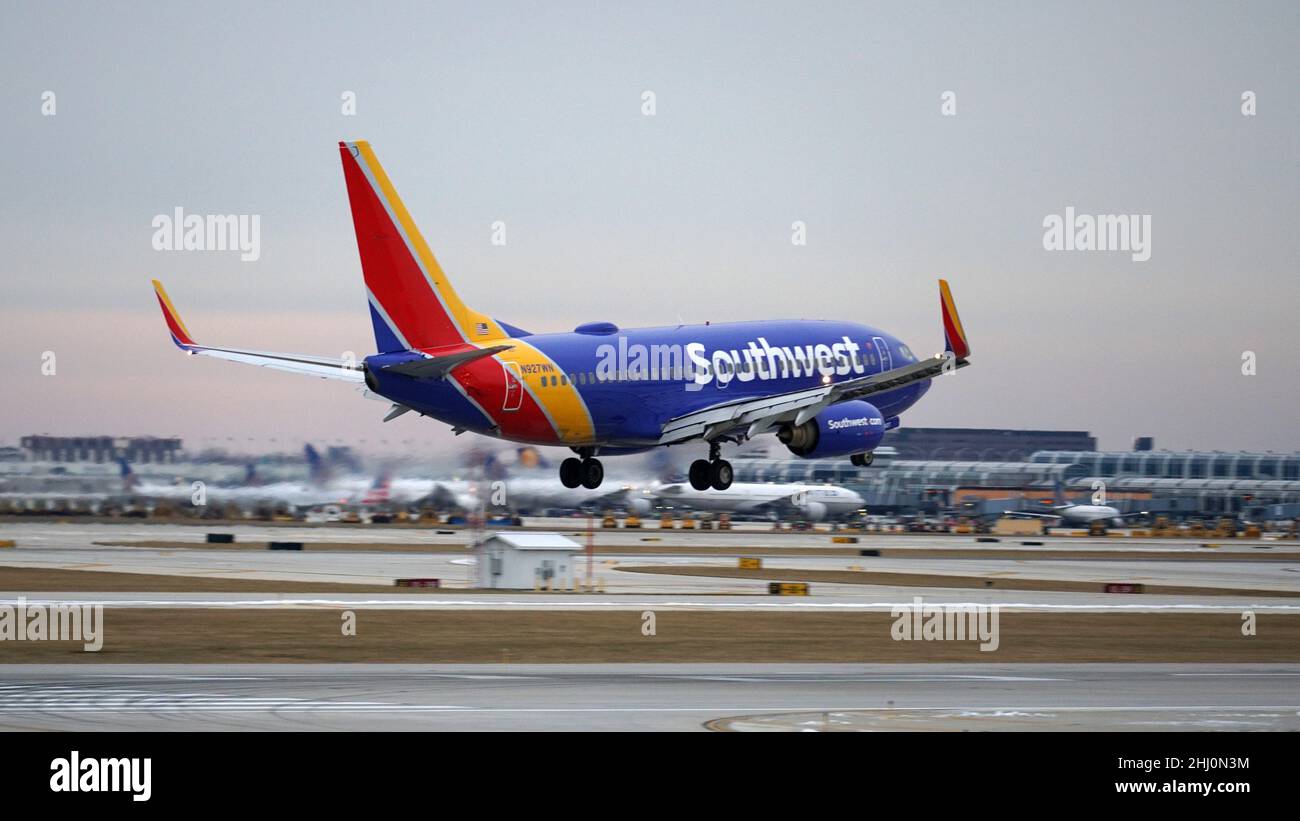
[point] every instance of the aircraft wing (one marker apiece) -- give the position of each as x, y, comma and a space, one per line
759, 415
719, 419
321, 366
1031, 514
784, 504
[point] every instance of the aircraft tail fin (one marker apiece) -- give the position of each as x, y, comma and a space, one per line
954, 334
412, 303
531, 458
379, 491
317, 471
129, 479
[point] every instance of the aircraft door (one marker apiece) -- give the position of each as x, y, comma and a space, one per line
514, 395
886, 357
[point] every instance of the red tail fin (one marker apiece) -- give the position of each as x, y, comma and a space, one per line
412, 303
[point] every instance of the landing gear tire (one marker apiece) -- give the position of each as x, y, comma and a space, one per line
593, 473
720, 474
699, 474
571, 472
862, 460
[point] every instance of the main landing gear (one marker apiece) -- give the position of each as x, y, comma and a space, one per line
862, 460
587, 471
715, 473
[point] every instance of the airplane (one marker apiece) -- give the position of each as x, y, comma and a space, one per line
522, 495
599, 390
1068, 513
812, 502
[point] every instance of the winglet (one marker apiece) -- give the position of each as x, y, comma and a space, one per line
953, 334
177, 328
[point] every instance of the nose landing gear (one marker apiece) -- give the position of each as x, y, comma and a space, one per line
714, 473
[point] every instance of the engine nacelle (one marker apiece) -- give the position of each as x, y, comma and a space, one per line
639, 505
840, 430
812, 511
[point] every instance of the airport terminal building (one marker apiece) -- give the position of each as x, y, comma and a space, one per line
100, 449
983, 444
1177, 484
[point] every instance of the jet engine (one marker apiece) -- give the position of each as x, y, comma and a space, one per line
841, 430
812, 511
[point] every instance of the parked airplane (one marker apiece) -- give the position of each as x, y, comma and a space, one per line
523, 495
810, 502
1068, 513
599, 390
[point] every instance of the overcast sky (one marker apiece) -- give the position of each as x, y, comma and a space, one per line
532, 114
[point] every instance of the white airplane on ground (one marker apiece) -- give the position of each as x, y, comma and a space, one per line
811, 502
1067, 513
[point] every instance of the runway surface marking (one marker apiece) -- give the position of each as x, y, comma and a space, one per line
760, 603
650, 697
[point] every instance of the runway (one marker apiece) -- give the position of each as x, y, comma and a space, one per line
830, 679
72, 546
651, 697
880, 599
72, 533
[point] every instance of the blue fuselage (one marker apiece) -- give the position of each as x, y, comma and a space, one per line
631, 382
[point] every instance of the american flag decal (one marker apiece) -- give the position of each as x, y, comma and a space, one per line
481, 327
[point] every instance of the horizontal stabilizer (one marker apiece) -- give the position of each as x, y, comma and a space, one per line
437, 367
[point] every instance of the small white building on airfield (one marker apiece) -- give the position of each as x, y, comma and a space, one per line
525, 561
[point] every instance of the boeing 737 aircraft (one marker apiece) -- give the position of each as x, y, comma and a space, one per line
599, 390
1069, 513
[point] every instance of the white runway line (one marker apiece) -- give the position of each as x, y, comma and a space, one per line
796, 678
429, 603
722, 709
